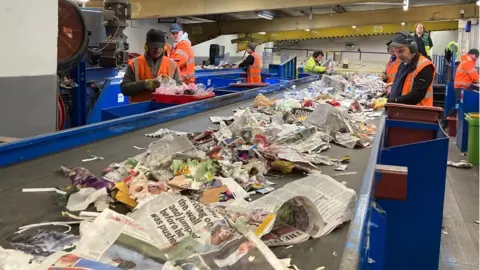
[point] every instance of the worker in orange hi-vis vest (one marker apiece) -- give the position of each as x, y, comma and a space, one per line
141, 77
182, 53
392, 66
413, 84
253, 64
465, 75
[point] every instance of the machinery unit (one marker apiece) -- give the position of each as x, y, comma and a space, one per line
112, 51
92, 50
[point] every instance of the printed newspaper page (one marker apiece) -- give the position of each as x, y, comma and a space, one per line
118, 240
286, 219
334, 201
169, 219
170, 234
245, 252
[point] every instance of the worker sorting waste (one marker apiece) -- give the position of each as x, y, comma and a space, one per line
313, 63
413, 83
182, 53
139, 82
392, 66
465, 75
253, 64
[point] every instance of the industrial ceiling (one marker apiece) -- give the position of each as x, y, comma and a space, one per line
276, 19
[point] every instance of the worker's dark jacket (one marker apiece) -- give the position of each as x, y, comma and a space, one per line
130, 87
421, 83
247, 62
423, 41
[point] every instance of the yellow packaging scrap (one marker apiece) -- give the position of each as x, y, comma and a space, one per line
122, 195
379, 103
283, 166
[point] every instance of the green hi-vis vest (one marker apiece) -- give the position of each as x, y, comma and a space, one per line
450, 46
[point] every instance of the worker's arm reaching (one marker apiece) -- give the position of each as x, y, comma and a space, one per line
130, 87
247, 62
420, 87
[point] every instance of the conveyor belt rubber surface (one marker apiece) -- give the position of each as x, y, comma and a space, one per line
18, 209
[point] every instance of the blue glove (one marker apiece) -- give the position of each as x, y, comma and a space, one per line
457, 106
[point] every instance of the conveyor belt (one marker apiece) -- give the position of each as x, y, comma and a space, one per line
17, 208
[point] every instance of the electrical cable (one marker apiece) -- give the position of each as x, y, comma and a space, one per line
109, 41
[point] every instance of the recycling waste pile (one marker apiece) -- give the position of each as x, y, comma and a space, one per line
187, 198
170, 87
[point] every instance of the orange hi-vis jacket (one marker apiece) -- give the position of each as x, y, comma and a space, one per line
423, 62
463, 57
254, 72
466, 73
391, 70
167, 50
182, 53
142, 72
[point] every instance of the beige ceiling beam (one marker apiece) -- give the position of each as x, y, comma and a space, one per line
427, 13
162, 9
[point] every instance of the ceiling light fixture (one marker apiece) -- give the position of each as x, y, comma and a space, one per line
307, 29
83, 1
264, 15
405, 4
262, 33
354, 26
478, 3
402, 23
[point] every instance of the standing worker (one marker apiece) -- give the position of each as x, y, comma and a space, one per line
413, 84
139, 80
423, 40
313, 63
182, 53
465, 75
253, 64
392, 65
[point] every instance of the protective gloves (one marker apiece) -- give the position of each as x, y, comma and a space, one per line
378, 103
152, 84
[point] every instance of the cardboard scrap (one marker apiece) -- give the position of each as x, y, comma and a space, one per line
212, 195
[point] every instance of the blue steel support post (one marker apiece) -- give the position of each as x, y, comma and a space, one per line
414, 225
79, 96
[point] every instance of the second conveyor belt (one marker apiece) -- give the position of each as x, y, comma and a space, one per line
18, 209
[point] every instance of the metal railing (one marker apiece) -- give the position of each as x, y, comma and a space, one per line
303, 54
356, 244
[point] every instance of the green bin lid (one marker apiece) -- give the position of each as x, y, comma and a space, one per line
472, 119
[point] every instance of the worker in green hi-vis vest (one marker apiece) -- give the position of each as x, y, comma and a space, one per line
451, 46
423, 40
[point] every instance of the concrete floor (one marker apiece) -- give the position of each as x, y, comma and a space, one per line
460, 240
459, 247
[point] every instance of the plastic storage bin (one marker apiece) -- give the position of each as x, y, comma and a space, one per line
401, 136
180, 99
472, 119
